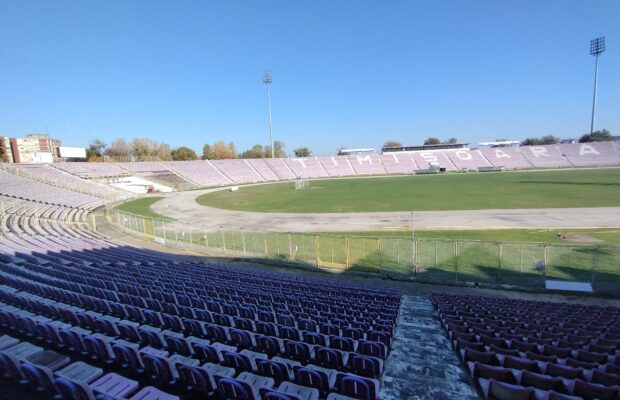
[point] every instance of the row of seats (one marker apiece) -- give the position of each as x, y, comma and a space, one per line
523, 349
97, 343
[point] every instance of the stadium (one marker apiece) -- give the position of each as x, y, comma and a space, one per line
133, 267
307, 278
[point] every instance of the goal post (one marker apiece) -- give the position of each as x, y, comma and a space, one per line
301, 184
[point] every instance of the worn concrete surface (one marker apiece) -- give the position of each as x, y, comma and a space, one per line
422, 364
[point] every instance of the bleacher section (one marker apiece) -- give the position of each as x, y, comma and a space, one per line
399, 163
82, 316
145, 168
306, 167
468, 159
202, 173
591, 154
22, 188
369, 164
280, 168
259, 165
184, 175
522, 349
548, 156
238, 171
89, 170
507, 157
49, 175
426, 159
337, 166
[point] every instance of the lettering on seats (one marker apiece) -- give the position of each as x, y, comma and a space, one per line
360, 159
501, 154
587, 149
301, 161
538, 151
428, 157
463, 155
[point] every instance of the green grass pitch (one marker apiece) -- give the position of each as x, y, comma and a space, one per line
472, 191
143, 207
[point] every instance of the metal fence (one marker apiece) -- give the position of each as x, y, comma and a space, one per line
519, 264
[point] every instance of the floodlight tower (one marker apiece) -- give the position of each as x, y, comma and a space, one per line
597, 46
267, 82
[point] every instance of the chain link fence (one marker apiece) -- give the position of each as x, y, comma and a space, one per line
435, 260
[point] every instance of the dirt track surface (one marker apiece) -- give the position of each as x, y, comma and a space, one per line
183, 207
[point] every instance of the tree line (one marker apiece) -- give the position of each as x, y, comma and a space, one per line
142, 149
598, 136
148, 149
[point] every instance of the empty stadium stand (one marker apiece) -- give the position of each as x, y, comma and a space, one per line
86, 317
369, 164
184, 175
507, 157
468, 159
523, 349
337, 166
399, 163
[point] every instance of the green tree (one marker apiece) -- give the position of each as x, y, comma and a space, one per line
392, 143
278, 150
149, 149
119, 150
302, 152
452, 140
432, 140
206, 152
597, 136
547, 139
96, 149
256, 151
183, 153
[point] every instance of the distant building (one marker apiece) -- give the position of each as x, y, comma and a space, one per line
425, 147
568, 141
501, 143
31, 149
356, 152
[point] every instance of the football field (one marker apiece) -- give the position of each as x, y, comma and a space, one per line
471, 191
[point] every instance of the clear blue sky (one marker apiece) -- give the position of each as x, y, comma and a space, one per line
345, 73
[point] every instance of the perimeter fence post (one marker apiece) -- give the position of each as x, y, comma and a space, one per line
380, 245
499, 262
317, 245
594, 262
265, 242
456, 261
521, 261
346, 245
223, 240
545, 251
206, 242
243, 241
415, 256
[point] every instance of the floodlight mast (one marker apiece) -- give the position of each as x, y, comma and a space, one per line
597, 46
267, 82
